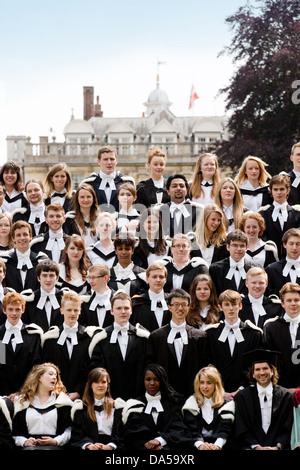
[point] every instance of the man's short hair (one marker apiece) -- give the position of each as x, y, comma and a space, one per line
291, 232
181, 293
176, 176
231, 296
13, 298
154, 266
106, 149
289, 288
47, 265
72, 297
19, 225
101, 268
237, 236
120, 296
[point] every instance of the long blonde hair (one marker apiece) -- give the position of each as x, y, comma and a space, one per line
215, 377
48, 183
201, 231
32, 380
263, 176
238, 204
196, 189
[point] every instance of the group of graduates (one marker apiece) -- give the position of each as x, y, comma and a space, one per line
159, 316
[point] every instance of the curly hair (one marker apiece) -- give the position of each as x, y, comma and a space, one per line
31, 384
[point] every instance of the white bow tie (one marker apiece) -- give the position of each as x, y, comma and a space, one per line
24, 259
240, 266
68, 332
288, 268
55, 237
125, 273
153, 402
155, 299
289, 319
279, 210
12, 330
235, 329
43, 299
179, 207
37, 208
178, 329
107, 179
100, 300
118, 329
296, 181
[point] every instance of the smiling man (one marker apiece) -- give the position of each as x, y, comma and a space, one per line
264, 411
34, 214
177, 346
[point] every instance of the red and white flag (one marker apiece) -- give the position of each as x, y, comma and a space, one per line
193, 97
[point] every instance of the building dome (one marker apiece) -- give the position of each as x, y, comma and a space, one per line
78, 126
158, 96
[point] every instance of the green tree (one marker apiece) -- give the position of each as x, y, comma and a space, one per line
263, 96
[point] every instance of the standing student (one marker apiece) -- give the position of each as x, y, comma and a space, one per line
279, 215
252, 180
58, 186
230, 273
127, 216
228, 340
205, 180
21, 345
207, 414
106, 182
103, 251
150, 309
228, 198
12, 181
22, 260
34, 214
52, 241
96, 304
152, 421
121, 349
42, 411
282, 334
96, 419
67, 346
153, 190
178, 347
263, 411
74, 265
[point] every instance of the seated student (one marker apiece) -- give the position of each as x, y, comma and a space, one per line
207, 414
58, 186
152, 421
282, 334
127, 216
263, 411
121, 349
257, 306
22, 260
67, 346
150, 309
180, 266
259, 251
153, 190
180, 214
279, 216
106, 182
52, 242
96, 305
228, 340
178, 347
6, 417
125, 274
42, 411
20, 345
96, 418
34, 214
230, 273
286, 269
103, 251
43, 304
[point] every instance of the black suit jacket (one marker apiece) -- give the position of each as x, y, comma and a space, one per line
218, 272
193, 357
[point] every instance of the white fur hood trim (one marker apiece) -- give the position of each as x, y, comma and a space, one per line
132, 406
141, 331
52, 333
191, 405
5, 411
95, 340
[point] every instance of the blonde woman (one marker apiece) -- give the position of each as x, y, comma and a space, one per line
96, 418
103, 251
42, 411
228, 198
205, 180
206, 413
58, 186
6, 242
210, 235
153, 190
252, 180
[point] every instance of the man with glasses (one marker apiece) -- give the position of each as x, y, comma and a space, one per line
178, 347
96, 305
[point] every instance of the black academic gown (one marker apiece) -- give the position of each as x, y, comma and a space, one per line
73, 370
248, 429
277, 338
6, 417
89, 317
40, 242
140, 427
181, 376
147, 191
142, 313
132, 286
24, 214
33, 314
125, 375
231, 367
194, 267
19, 362
186, 224
294, 195
218, 272
271, 305
276, 279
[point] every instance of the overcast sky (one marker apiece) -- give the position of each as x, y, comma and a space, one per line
50, 50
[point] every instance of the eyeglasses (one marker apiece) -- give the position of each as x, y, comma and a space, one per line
177, 305
93, 278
